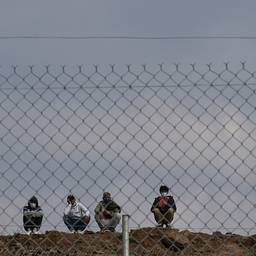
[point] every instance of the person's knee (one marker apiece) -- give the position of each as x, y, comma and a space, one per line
157, 212
65, 218
86, 220
158, 215
40, 217
98, 220
170, 211
82, 226
38, 220
169, 215
117, 216
96, 217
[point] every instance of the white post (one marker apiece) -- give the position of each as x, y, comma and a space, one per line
125, 230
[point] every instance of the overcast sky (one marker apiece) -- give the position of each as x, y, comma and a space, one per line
41, 152
198, 139
127, 18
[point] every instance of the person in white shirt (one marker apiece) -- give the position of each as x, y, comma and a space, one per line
76, 215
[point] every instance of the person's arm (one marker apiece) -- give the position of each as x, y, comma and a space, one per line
101, 212
98, 208
27, 212
117, 208
172, 204
32, 213
112, 208
38, 212
67, 210
154, 205
84, 210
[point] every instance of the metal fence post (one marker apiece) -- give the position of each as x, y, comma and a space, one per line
125, 230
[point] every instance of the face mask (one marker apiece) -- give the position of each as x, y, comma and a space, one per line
164, 194
106, 199
33, 205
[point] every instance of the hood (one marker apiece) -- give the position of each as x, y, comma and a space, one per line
33, 199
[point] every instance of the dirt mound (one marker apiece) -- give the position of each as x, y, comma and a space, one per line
143, 242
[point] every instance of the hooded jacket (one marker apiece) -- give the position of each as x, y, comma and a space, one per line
170, 203
36, 211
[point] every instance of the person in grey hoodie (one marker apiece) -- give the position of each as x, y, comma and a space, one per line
32, 216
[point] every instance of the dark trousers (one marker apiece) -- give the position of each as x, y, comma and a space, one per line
74, 223
31, 223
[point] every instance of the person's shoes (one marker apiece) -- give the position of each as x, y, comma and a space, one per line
168, 226
29, 232
103, 230
35, 231
160, 226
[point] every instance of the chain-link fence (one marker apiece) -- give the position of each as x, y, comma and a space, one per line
127, 130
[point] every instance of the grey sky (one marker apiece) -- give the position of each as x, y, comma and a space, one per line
200, 140
135, 18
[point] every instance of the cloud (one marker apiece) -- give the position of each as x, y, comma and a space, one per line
197, 140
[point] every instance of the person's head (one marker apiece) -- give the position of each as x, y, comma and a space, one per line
71, 199
33, 202
164, 190
106, 197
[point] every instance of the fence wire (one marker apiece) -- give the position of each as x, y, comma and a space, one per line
129, 129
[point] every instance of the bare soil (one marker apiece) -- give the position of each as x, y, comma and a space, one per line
143, 242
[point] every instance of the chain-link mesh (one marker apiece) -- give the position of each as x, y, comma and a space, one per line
127, 130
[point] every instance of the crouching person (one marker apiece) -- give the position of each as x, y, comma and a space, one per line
107, 213
76, 215
32, 216
164, 208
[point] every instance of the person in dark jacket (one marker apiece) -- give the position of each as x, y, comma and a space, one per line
32, 216
164, 207
107, 213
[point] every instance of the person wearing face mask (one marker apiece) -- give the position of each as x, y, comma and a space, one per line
164, 207
32, 216
76, 215
107, 213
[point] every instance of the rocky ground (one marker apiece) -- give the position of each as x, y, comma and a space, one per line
143, 242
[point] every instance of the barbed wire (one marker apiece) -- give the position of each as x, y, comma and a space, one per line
126, 86
119, 37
